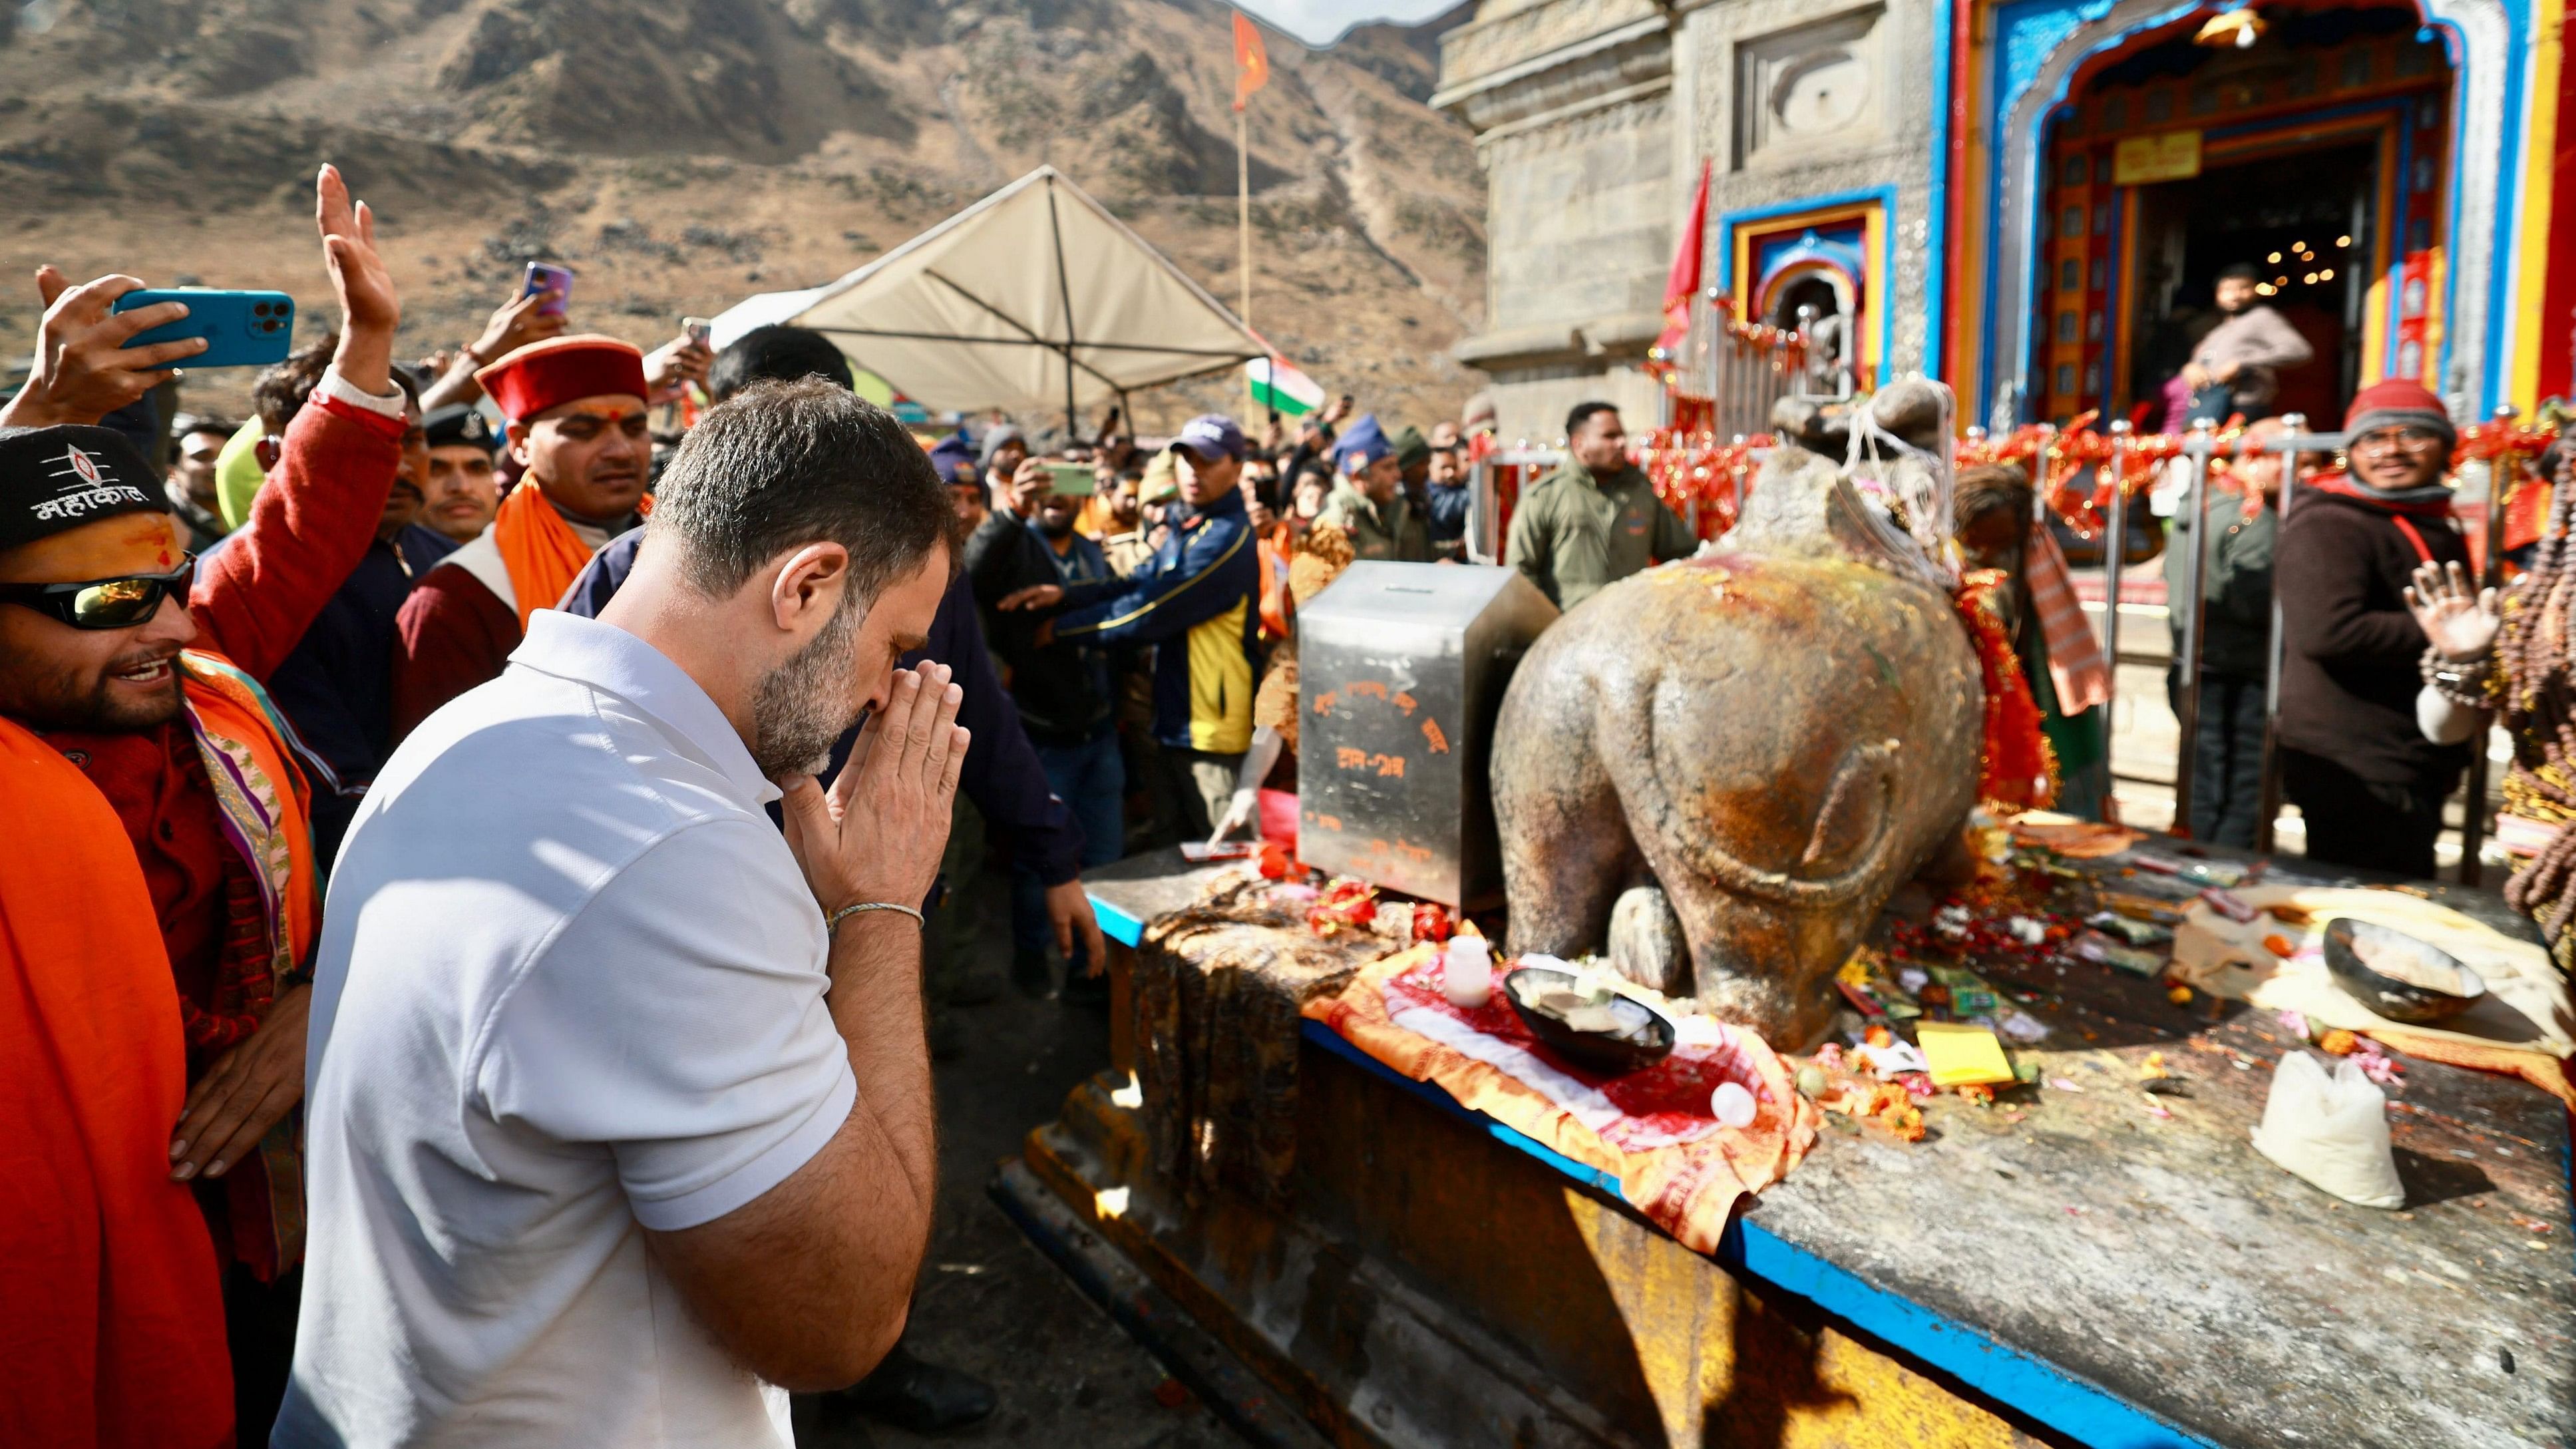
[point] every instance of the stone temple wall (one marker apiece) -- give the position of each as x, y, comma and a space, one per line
1592, 117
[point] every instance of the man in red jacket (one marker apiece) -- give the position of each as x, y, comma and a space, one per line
132, 716
577, 426
2368, 784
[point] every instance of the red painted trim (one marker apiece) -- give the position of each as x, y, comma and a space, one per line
2557, 320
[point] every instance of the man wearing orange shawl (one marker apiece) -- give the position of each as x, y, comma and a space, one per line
577, 429
157, 896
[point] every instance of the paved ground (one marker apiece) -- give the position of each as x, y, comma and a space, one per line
990, 1303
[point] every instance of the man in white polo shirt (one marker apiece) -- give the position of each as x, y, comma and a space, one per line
618, 1110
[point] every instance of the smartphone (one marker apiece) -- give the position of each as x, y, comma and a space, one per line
1073, 480
242, 329
547, 277
698, 329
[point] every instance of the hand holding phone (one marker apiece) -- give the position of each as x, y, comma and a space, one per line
83, 369
515, 324
240, 329
672, 367
548, 277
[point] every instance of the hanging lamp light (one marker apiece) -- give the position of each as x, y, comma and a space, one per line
2239, 28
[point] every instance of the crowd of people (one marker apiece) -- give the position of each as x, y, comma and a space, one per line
443, 1003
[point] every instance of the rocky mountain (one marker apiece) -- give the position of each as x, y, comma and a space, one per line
684, 154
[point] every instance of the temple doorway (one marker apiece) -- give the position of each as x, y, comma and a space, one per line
2314, 154
2303, 220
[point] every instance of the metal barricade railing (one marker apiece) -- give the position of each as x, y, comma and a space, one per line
2201, 448
2473, 821
2191, 611
1742, 372
1485, 512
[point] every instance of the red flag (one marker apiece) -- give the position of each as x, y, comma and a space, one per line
1682, 284
1251, 61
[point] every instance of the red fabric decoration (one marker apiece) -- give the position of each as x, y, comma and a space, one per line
2016, 767
559, 370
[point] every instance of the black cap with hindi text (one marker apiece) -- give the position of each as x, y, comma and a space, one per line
53, 480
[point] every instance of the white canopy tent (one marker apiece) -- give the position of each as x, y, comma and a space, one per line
1031, 299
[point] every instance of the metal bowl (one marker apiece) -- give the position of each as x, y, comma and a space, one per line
2397, 976
1649, 1040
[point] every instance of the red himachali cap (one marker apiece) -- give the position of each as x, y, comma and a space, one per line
559, 370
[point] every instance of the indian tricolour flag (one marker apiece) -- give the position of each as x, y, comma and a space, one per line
1281, 388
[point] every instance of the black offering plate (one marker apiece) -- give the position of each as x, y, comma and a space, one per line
1611, 1056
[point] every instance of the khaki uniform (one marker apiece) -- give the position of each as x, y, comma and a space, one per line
1575, 536
1390, 530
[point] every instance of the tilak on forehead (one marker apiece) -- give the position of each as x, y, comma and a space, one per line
566, 369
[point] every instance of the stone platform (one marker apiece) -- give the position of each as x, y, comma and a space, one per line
2089, 1273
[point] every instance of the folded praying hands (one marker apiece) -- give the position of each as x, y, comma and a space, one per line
878, 835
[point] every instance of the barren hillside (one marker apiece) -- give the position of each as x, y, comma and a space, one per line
684, 154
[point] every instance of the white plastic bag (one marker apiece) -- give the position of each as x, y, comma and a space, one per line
2332, 1131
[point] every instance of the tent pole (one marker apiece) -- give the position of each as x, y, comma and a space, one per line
1064, 290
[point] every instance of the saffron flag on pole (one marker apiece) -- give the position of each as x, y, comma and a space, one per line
1682, 284
1281, 388
1251, 60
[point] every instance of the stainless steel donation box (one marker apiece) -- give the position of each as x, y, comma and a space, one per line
1400, 671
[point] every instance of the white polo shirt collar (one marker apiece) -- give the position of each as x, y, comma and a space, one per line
613, 661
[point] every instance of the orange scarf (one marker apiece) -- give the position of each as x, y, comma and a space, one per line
111, 1316
539, 549
265, 809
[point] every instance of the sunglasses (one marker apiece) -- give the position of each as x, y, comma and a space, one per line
118, 603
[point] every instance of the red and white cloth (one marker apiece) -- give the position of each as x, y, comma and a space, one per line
2075, 662
1663, 1106
1652, 1130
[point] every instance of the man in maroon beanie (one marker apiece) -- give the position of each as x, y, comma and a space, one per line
2367, 781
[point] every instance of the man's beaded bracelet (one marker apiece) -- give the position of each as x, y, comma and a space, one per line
832, 922
2462, 684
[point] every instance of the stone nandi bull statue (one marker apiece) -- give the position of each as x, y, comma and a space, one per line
1721, 768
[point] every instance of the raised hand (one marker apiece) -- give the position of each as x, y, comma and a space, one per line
673, 366
516, 323
83, 370
1029, 487
877, 836
370, 308
2457, 620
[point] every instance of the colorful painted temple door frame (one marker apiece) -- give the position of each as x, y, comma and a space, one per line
2320, 160
1828, 253
2470, 300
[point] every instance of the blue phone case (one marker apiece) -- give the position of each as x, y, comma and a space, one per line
242, 329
